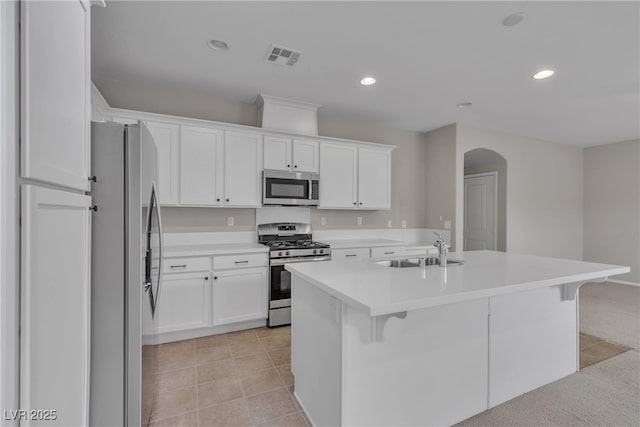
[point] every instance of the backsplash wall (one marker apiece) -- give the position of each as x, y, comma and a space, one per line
408, 170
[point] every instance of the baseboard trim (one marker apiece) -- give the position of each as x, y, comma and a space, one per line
295, 395
165, 337
623, 282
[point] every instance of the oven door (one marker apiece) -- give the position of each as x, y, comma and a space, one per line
280, 288
280, 280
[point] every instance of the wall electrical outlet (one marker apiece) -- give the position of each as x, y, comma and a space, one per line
323, 220
447, 225
359, 220
440, 217
404, 223
390, 224
230, 221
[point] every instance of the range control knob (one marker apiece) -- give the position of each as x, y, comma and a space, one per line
287, 253
279, 253
315, 251
321, 251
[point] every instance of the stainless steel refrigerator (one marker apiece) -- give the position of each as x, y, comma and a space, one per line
126, 270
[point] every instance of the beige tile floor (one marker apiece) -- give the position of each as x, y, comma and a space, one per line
594, 350
235, 379
244, 379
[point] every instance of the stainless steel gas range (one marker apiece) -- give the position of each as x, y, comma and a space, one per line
288, 242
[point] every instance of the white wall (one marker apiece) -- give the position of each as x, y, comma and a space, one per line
612, 206
439, 185
544, 191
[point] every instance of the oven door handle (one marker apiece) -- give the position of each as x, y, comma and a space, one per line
290, 261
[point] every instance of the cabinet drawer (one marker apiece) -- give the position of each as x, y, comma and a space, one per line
181, 265
387, 251
239, 261
350, 253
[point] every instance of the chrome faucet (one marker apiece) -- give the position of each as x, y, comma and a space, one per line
443, 250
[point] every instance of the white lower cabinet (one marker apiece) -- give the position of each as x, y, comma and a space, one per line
184, 303
239, 295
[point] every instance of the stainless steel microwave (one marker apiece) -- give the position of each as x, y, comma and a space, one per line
283, 188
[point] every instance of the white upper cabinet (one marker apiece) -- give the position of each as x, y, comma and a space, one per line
201, 163
167, 139
338, 176
374, 178
298, 155
277, 153
354, 177
306, 156
242, 169
55, 92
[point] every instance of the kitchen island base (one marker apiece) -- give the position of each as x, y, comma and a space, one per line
431, 366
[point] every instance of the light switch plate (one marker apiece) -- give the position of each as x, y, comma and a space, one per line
359, 220
389, 224
230, 221
323, 220
447, 225
404, 223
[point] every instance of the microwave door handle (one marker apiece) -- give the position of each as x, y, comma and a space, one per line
310, 188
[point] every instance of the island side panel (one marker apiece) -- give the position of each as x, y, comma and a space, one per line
316, 352
533, 341
430, 369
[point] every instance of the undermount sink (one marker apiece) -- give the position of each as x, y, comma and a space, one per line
415, 262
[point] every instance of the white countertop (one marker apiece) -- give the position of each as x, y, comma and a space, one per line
384, 290
209, 250
361, 243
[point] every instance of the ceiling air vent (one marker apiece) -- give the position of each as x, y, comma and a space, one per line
283, 55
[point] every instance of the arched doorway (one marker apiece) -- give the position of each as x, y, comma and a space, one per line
485, 200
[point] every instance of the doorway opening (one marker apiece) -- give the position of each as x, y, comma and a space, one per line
485, 201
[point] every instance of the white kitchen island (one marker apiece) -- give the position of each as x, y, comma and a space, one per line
375, 345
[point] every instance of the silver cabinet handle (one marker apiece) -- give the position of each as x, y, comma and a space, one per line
389, 253
179, 266
242, 262
348, 255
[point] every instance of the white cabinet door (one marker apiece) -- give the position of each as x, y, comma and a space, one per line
201, 163
184, 303
338, 176
167, 141
277, 153
239, 295
242, 169
306, 155
56, 106
55, 304
374, 179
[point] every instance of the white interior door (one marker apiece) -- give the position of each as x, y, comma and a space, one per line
480, 211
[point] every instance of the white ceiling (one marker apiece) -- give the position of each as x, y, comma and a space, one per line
426, 56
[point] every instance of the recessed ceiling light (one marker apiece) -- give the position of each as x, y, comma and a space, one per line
465, 104
543, 74
367, 81
219, 45
513, 19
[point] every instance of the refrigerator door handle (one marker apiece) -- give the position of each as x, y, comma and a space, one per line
161, 246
